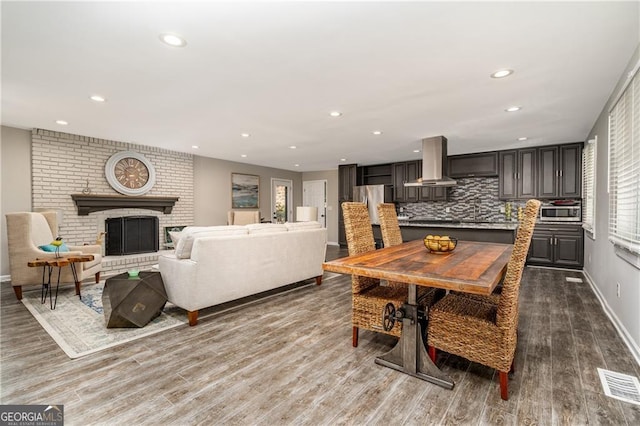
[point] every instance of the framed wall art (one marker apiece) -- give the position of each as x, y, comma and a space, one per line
245, 191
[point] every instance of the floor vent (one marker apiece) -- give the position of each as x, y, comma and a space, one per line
620, 386
573, 280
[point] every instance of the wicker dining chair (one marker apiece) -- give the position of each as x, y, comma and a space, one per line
369, 298
392, 236
484, 332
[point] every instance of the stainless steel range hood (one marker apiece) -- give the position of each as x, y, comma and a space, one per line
434, 163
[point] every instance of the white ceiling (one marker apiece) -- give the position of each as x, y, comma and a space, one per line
275, 70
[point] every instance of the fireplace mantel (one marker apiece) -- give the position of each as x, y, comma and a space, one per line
94, 203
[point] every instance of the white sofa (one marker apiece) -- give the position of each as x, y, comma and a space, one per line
213, 265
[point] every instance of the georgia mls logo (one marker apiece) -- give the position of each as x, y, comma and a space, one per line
31, 415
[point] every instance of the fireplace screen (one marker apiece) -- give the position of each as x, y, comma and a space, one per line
131, 235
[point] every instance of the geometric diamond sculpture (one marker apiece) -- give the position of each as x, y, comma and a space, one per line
133, 301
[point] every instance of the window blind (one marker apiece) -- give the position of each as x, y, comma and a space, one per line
588, 186
624, 168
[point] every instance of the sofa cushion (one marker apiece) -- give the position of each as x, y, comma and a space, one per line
266, 228
190, 233
296, 226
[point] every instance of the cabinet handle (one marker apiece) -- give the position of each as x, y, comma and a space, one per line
560, 173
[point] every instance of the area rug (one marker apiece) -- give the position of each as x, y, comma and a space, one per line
78, 326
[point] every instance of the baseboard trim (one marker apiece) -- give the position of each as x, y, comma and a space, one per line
5, 278
333, 243
622, 331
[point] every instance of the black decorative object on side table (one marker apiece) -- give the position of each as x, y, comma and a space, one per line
133, 301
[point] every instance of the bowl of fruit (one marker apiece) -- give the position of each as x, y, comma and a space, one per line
440, 244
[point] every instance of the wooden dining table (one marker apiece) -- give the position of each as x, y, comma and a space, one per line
473, 267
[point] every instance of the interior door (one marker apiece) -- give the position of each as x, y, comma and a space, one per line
281, 200
314, 194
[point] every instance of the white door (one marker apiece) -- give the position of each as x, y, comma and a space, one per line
314, 194
281, 200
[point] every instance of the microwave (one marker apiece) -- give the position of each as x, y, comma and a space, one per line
553, 213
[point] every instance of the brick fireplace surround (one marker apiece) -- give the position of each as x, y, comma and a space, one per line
63, 164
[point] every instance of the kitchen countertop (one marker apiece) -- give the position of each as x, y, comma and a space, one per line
509, 226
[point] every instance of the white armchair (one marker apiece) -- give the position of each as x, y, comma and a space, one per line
243, 217
25, 233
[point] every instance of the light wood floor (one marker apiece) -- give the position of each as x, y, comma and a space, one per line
288, 360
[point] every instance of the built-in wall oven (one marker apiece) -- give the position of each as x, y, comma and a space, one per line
563, 212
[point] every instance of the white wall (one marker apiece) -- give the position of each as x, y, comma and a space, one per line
331, 176
604, 268
212, 188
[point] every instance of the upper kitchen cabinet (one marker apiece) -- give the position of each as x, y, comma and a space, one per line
347, 178
379, 174
517, 174
560, 171
483, 164
406, 171
409, 171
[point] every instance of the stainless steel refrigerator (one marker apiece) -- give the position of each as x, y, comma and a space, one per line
372, 195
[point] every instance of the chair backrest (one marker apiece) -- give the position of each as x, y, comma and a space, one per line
357, 227
243, 217
359, 233
389, 227
507, 315
28, 229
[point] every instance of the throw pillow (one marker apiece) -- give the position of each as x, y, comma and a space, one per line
175, 237
51, 248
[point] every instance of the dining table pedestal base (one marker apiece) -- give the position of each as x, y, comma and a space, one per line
409, 355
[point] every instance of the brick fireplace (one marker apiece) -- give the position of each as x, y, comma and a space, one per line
63, 164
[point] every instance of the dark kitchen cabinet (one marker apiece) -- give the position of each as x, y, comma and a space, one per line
347, 179
517, 174
557, 245
570, 183
560, 171
483, 164
378, 174
409, 171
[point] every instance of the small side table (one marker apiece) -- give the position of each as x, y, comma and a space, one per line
133, 301
58, 262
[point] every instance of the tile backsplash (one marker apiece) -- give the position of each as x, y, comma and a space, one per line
473, 199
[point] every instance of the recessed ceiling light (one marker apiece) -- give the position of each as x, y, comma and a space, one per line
173, 40
244, 156
335, 113
61, 122
513, 109
416, 150
292, 147
502, 73
296, 165
524, 138
343, 159
97, 98
245, 135
195, 146
377, 132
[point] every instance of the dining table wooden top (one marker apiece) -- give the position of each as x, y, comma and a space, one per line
473, 267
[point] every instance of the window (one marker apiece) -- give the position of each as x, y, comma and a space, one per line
588, 186
624, 167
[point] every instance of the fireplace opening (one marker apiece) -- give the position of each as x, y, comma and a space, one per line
131, 235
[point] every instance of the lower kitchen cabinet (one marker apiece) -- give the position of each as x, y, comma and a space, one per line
557, 245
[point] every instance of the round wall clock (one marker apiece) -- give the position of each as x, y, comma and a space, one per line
130, 173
